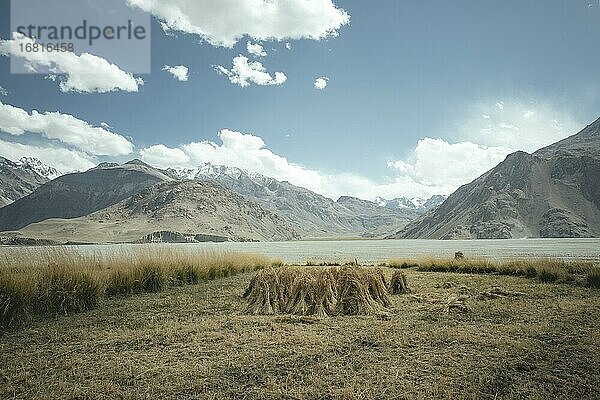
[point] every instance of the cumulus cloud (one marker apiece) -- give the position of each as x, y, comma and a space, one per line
244, 73
249, 152
163, 156
288, 45
64, 128
255, 49
215, 22
62, 159
487, 135
321, 83
237, 149
180, 72
517, 125
437, 163
3, 92
434, 166
82, 73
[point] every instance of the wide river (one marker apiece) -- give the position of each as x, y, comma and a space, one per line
374, 251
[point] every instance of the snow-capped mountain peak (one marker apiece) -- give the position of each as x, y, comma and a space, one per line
415, 203
211, 171
37, 166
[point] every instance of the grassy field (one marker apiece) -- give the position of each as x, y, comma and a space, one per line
60, 280
454, 336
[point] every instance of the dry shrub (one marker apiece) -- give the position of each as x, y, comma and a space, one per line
377, 286
312, 292
319, 292
398, 284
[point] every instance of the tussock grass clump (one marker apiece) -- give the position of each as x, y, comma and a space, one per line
318, 292
310, 293
593, 279
145, 278
62, 280
15, 302
399, 264
354, 295
398, 284
62, 290
546, 271
277, 263
186, 275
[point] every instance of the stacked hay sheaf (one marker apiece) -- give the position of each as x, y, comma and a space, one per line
398, 284
319, 292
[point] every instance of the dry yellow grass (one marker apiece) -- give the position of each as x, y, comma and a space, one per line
196, 342
64, 280
581, 273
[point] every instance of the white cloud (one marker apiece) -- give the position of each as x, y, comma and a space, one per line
83, 73
237, 149
180, 72
255, 49
443, 165
243, 73
249, 152
3, 92
516, 125
288, 45
321, 83
163, 156
434, 166
489, 133
60, 158
224, 22
64, 128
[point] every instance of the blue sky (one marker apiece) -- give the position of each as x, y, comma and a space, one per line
422, 96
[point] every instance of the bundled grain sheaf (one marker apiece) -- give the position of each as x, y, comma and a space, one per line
264, 293
319, 292
398, 283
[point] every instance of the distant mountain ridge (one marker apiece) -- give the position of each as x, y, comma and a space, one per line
66, 208
19, 178
311, 214
78, 194
554, 192
175, 209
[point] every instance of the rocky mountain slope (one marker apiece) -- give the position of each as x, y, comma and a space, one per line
78, 194
311, 214
19, 178
554, 192
170, 211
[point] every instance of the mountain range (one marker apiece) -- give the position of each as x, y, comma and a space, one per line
554, 192
311, 214
137, 202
